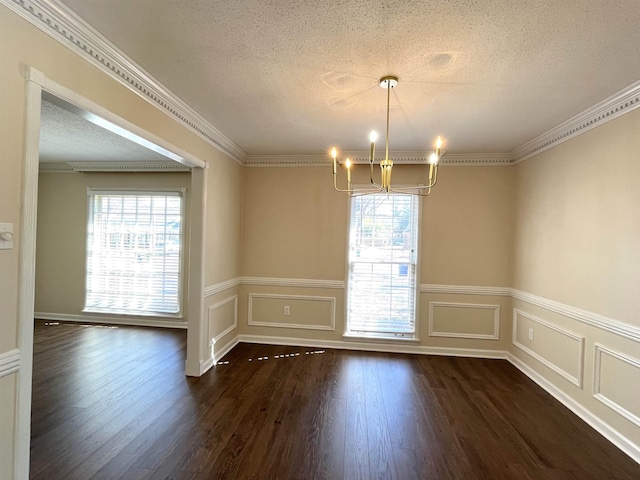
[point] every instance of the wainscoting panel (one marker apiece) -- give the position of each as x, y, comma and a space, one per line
223, 318
616, 382
557, 348
464, 320
305, 312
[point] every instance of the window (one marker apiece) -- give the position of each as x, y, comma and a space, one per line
134, 252
383, 248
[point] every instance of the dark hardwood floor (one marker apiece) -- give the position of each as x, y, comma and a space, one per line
113, 403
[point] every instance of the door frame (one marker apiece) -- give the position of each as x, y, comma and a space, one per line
36, 83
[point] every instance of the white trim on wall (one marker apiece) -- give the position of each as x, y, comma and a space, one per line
374, 347
617, 327
229, 329
9, 362
599, 349
221, 286
113, 166
599, 321
111, 319
292, 282
624, 101
576, 380
27, 279
398, 157
480, 336
330, 300
465, 289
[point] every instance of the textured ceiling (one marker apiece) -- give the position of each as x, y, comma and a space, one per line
67, 137
283, 77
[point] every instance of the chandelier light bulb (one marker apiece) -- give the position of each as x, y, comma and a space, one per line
373, 136
334, 153
439, 142
347, 163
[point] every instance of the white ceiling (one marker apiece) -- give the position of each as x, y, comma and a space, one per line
66, 137
284, 77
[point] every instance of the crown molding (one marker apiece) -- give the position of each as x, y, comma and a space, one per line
361, 157
61, 24
618, 104
119, 166
64, 26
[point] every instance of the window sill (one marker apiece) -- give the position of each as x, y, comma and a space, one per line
381, 338
127, 313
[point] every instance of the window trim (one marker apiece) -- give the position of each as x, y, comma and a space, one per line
168, 191
373, 337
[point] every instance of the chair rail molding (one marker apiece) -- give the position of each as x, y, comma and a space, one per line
599, 321
221, 286
9, 362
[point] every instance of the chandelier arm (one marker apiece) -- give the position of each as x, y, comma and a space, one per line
409, 192
356, 192
360, 193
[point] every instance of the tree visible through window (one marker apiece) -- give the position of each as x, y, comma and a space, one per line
383, 247
134, 252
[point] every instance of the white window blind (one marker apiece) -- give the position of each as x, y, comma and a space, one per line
383, 245
134, 252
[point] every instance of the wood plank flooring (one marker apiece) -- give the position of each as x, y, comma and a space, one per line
113, 403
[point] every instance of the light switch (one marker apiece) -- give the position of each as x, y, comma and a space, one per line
6, 236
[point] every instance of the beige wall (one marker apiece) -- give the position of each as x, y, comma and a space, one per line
562, 225
223, 222
22, 45
62, 232
576, 242
295, 226
578, 224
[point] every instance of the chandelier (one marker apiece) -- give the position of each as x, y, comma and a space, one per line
386, 165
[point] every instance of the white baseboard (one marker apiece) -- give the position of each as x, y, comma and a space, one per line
222, 351
205, 365
373, 347
132, 321
620, 441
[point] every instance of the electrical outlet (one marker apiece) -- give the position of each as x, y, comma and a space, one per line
531, 334
287, 310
